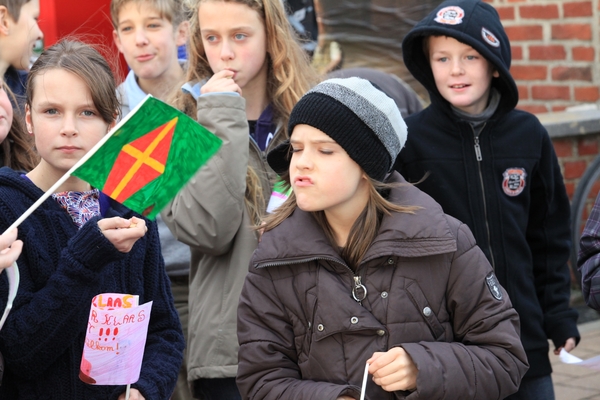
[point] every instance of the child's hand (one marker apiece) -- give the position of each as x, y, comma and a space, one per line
134, 394
10, 249
222, 81
568, 346
121, 232
393, 370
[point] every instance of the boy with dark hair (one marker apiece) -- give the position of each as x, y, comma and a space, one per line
494, 168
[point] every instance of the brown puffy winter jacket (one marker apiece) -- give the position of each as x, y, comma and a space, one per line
430, 290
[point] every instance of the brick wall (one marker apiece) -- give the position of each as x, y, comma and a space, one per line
555, 47
555, 52
575, 153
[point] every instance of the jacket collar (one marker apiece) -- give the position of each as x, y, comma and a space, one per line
299, 238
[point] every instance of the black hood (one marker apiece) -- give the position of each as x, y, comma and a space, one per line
471, 22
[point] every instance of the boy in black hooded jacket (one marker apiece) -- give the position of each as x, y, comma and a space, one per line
494, 168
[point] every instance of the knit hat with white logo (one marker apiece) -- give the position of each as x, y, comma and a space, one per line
359, 117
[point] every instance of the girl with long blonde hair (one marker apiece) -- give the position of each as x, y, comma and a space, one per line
246, 71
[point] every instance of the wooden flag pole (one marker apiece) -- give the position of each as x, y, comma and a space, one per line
127, 391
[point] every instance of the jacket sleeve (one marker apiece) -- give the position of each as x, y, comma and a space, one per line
208, 211
163, 352
46, 320
589, 258
486, 360
549, 238
268, 363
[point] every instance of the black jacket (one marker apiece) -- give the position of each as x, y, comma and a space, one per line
505, 184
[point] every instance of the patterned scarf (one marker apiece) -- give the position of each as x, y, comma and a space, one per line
81, 206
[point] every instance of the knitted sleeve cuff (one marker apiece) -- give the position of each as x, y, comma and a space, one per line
91, 248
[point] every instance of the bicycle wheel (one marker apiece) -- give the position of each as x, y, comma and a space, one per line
581, 206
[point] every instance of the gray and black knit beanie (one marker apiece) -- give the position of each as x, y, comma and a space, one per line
359, 117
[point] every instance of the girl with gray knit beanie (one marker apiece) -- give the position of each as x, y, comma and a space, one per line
359, 272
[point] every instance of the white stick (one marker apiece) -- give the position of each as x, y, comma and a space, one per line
364, 382
127, 391
13, 284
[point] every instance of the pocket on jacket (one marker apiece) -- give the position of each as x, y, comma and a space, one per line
303, 328
420, 302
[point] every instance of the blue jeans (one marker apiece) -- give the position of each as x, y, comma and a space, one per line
538, 388
216, 389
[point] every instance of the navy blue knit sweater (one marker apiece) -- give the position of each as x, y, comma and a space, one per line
62, 268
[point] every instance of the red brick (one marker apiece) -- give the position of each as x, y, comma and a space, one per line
550, 92
574, 169
516, 52
523, 92
532, 32
563, 148
577, 9
539, 11
529, 72
559, 108
572, 31
506, 13
572, 74
534, 109
587, 94
583, 53
586, 147
517, 1
554, 52
570, 189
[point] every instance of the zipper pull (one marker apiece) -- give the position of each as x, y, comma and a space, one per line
359, 292
477, 149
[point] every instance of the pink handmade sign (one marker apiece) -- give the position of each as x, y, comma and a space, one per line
115, 340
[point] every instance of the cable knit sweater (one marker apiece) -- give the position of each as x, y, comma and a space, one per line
62, 268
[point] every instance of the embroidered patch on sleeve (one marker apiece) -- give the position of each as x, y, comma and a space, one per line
451, 15
494, 286
514, 181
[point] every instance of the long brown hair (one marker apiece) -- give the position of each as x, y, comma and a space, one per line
289, 76
17, 147
363, 231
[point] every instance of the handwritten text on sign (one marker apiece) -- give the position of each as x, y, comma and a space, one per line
115, 340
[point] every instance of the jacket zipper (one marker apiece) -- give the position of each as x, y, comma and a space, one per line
479, 158
356, 278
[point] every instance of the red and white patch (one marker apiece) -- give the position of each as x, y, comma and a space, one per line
514, 181
490, 38
451, 15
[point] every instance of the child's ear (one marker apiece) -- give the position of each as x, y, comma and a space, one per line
117, 41
28, 123
181, 33
4, 21
496, 74
111, 125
